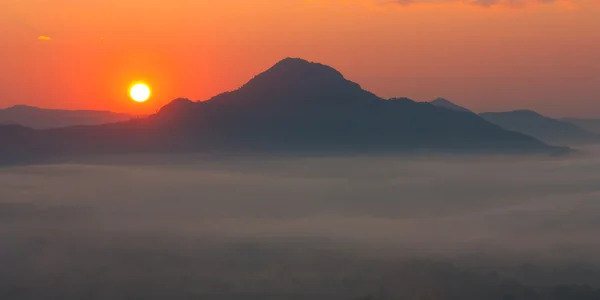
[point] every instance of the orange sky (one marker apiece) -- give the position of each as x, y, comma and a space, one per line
484, 54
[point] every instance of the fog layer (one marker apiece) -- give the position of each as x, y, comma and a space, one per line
241, 227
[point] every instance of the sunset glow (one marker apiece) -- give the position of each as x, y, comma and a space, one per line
487, 55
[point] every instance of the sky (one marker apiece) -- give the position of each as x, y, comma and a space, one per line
487, 55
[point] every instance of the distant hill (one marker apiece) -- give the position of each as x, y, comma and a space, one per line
541, 127
39, 118
295, 107
441, 102
592, 125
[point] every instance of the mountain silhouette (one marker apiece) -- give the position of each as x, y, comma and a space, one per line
297, 104
295, 107
441, 102
290, 86
39, 118
541, 127
591, 125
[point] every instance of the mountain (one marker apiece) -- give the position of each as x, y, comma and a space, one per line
18, 144
591, 125
441, 102
541, 127
39, 118
294, 107
298, 105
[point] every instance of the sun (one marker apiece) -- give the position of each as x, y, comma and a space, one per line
139, 92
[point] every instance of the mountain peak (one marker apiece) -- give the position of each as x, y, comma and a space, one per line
301, 69
177, 106
291, 64
288, 61
294, 82
441, 102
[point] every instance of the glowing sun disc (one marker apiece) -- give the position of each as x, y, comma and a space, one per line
139, 92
